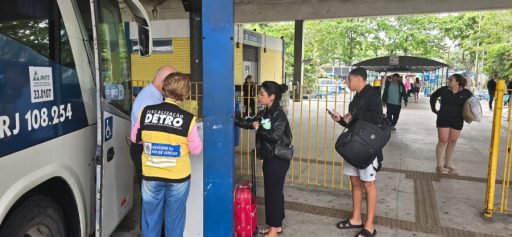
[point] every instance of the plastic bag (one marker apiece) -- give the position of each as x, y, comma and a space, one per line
472, 110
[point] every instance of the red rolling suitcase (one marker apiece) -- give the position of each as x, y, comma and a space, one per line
246, 214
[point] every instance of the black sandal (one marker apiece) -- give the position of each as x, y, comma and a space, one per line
366, 233
345, 224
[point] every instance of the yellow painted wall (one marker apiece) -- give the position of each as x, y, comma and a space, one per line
239, 65
143, 69
271, 67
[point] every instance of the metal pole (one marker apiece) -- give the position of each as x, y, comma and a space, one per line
218, 56
439, 77
494, 149
298, 57
376, 83
196, 53
283, 66
446, 78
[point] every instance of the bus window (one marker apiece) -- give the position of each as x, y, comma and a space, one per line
40, 96
114, 59
84, 12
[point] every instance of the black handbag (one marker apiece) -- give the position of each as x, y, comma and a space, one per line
284, 147
283, 152
361, 144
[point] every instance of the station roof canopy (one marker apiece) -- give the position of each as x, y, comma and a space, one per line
247, 11
400, 64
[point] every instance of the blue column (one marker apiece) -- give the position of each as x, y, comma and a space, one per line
219, 103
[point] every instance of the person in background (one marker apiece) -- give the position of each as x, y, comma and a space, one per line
394, 93
407, 84
509, 91
449, 121
272, 127
383, 80
366, 106
169, 135
416, 89
491, 88
249, 90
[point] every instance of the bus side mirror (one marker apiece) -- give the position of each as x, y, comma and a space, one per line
145, 41
144, 28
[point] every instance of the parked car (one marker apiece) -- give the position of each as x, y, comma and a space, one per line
328, 87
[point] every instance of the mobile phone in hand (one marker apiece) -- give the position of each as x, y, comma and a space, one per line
330, 112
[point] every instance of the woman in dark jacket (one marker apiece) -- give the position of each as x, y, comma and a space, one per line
272, 127
449, 120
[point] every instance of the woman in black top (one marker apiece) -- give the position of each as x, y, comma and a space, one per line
272, 127
449, 120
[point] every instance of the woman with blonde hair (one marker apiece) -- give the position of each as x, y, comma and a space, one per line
169, 134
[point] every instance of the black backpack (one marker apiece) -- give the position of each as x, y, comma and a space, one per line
361, 144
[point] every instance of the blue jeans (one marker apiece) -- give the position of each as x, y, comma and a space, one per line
164, 201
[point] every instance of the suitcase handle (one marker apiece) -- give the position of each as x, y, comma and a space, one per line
252, 157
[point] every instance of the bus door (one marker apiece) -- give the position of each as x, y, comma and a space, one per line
114, 167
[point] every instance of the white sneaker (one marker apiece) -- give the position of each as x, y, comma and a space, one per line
451, 169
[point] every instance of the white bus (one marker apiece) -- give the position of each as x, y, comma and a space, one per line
65, 99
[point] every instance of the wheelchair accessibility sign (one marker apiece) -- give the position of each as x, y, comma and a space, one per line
109, 128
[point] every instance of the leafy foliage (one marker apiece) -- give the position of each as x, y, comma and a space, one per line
461, 40
33, 33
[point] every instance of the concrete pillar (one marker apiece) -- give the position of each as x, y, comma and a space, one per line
298, 57
218, 155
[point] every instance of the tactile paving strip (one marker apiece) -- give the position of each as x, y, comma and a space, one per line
384, 221
427, 217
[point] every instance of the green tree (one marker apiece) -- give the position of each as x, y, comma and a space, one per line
344, 40
460, 29
411, 36
33, 33
496, 38
498, 60
461, 40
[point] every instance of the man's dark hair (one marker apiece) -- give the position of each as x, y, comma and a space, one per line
359, 71
396, 75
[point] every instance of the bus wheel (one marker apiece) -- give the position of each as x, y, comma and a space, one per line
38, 216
